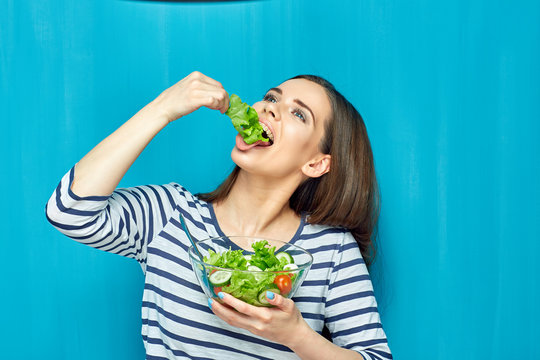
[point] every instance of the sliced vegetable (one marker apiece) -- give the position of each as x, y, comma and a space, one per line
250, 286
262, 295
285, 258
290, 267
257, 303
284, 283
220, 277
259, 275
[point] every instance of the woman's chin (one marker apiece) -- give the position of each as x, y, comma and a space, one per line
246, 161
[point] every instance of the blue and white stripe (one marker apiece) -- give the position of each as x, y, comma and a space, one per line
142, 223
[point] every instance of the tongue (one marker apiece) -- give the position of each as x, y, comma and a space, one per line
242, 146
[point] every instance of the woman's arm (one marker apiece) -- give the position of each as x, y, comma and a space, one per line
82, 206
311, 345
283, 324
99, 172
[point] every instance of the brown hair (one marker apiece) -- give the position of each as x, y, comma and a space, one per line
346, 196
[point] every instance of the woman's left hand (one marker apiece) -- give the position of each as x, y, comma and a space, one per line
281, 324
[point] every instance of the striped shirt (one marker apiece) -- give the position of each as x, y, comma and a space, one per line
143, 223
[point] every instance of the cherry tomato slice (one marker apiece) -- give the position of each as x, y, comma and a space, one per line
284, 284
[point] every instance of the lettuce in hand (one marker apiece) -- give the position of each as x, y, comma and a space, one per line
245, 120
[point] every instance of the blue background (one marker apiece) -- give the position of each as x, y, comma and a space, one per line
450, 94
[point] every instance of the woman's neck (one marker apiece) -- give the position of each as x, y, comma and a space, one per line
258, 206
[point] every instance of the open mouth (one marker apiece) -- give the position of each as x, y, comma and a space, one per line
267, 134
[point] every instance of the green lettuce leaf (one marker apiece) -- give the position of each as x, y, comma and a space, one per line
231, 259
264, 257
246, 286
245, 120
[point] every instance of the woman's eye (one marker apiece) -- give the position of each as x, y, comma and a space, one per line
270, 98
299, 114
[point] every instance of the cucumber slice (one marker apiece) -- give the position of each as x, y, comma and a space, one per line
220, 278
253, 268
290, 267
283, 255
262, 295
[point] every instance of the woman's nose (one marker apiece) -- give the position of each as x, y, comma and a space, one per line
271, 110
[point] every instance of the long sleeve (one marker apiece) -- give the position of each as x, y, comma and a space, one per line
122, 223
351, 309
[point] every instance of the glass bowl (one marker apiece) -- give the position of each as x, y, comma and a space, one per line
249, 285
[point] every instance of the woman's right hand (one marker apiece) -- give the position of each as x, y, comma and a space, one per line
189, 94
100, 171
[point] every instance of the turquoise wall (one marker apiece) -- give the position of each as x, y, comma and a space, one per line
451, 97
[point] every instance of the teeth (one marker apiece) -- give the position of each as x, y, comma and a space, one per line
268, 132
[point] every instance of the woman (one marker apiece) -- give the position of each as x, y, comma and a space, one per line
312, 184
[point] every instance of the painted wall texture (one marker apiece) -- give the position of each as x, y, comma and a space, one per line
450, 94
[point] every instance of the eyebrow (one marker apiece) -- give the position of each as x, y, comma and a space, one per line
298, 101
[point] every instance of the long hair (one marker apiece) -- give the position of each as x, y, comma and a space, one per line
347, 196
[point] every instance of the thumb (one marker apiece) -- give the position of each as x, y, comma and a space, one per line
225, 105
279, 301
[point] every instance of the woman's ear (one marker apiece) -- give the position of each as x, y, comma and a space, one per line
317, 166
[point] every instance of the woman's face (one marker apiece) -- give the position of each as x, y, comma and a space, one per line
294, 115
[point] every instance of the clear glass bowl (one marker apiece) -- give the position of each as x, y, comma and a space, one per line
263, 280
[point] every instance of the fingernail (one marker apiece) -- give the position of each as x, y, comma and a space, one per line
210, 301
221, 295
270, 295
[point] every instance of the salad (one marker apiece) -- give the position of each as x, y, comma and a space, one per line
245, 120
258, 275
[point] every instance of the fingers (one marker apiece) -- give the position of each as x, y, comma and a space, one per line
210, 92
189, 94
216, 100
230, 315
240, 314
238, 305
271, 323
196, 75
279, 301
